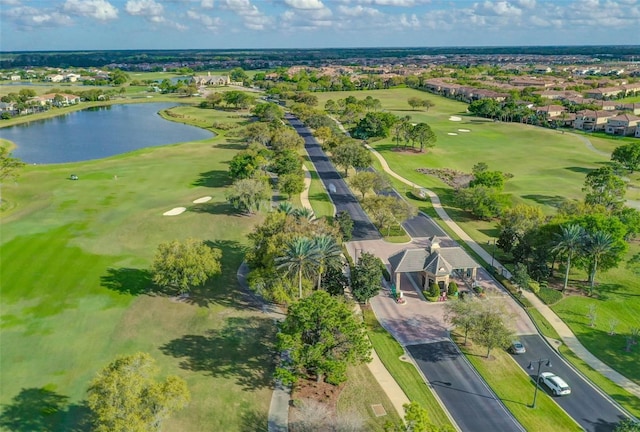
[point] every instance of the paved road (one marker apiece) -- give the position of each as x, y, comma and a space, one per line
592, 410
467, 397
343, 199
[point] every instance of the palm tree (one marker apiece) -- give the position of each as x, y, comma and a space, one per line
300, 258
569, 243
285, 207
329, 253
597, 245
304, 213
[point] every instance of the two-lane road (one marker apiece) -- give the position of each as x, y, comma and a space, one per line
586, 405
340, 193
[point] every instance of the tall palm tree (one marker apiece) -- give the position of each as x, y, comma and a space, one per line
598, 244
329, 253
569, 242
300, 258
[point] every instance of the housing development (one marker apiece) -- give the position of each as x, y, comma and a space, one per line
437, 239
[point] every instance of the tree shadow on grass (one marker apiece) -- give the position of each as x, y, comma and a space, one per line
232, 145
253, 420
213, 179
127, 280
215, 208
581, 170
553, 201
241, 350
42, 410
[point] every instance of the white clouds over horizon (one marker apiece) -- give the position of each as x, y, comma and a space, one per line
331, 23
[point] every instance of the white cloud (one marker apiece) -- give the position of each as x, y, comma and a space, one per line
526, 4
358, 11
500, 8
251, 15
25, 18
10, 2
305, 4
411, 22
396, 3
210, 23
145, 8
206, 4
99, 9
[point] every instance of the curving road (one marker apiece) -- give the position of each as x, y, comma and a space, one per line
338, 190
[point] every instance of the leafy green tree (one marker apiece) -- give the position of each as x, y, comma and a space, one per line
363, 181
286, 162
490, 330
604, 187
323, 133
628, 156
286, 139
462, 313
490, 179
268, 112
351, 154
414, 102
214, 99
423, 135
238, 99
385, 211
125, 397
243, 165
374, 124
258, 132
300, 259
366, 278
183, 265
322, 336
515, 222
249, 195
345, 223
334, 281
482, 201
238, 75
520, 276
569, 243
9, 167
291, 184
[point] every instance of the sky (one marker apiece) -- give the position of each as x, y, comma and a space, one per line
32, 25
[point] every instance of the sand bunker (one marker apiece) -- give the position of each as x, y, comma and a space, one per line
464, 130
452, 133
202, 200
455, 118
175, 211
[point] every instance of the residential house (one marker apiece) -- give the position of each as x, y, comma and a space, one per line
62, 99
541, 69
633, 107
16, 77
589, 120
550, 111
623, 125
54, 78
637, 134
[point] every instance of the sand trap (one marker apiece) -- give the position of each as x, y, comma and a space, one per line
175, 211
452, 133
202, 200
464, 130
455, 118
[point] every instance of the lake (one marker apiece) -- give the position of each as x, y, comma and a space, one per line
97, 133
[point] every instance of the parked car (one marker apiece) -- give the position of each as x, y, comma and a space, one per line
556, 384
517, 347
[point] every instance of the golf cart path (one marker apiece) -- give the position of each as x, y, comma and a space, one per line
561, 328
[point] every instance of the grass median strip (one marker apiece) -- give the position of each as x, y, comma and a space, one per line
318, 196
405, 374
515, 389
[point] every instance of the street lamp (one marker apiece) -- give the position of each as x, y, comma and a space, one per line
531, 367
493, 252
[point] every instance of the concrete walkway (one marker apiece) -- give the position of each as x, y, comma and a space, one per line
563, 330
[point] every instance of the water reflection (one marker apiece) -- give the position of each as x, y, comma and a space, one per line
98, 132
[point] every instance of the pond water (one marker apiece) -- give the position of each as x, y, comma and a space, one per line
97, 133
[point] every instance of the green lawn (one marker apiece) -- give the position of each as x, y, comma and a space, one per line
74, 277
515, 389
405, 374
318, 196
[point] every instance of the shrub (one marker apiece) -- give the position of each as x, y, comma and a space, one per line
452, 289
434, 290
549, 295
478, 289
429, 297
385, 272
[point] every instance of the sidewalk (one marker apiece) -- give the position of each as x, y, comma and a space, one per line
563, 330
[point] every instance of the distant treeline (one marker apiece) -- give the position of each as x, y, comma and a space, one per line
258, 59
